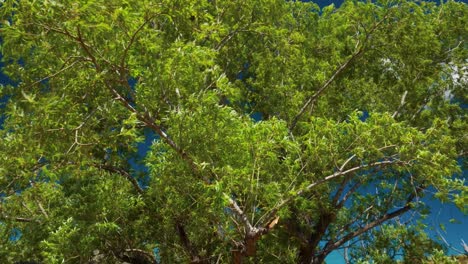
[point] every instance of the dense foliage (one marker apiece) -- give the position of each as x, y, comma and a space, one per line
278, 132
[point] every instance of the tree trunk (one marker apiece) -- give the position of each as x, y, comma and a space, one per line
307, 256
318, 259
307, 252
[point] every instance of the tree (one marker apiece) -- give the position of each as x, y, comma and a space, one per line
359, 113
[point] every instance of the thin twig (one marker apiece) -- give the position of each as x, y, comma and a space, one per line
132, 40
62, 69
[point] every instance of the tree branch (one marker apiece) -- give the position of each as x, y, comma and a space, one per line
122, 72
272, 213
194, 256
122, 172
132, 40
344, 182
62, 69
39, 204
240, 213
252, 234
402, 103
229, 36
85, 47
19, 219
146, 119
330, 246
348, 194
315, 96
333, 176
337, 72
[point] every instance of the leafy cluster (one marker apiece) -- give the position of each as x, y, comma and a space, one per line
278, 132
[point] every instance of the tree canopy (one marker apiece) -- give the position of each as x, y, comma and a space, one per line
229, 131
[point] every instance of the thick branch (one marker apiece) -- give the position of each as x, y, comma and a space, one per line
184, 239
341, 173
366, 228
85, 47
252, 234
346, 181
330, 246
240, 213
402, 103
320, 228
349, 193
